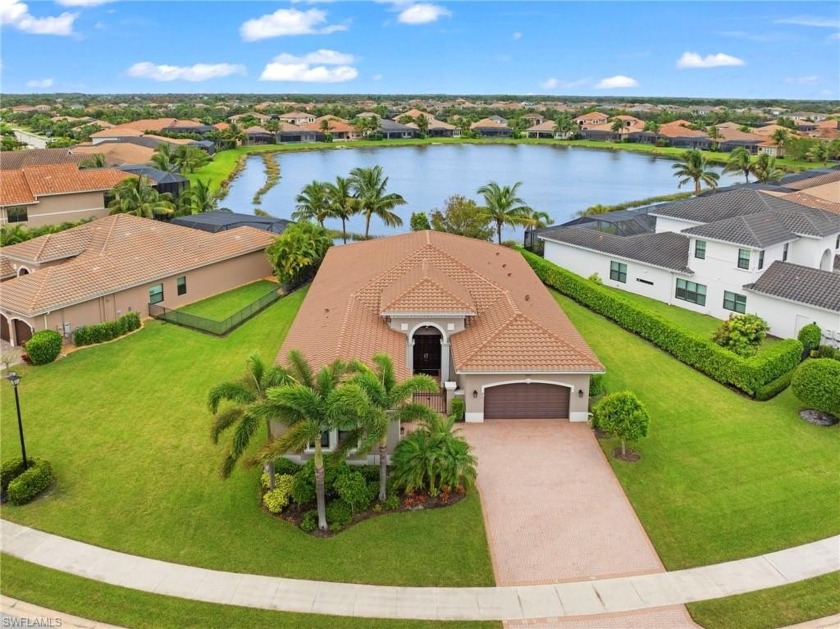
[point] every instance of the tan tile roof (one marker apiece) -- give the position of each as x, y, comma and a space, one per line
730, 132
15, 188
257, 129
29, 183
222, 126
12, 160
65, 244
488, 123
120, 131
812, 182
108, 262
679, 129
547, 126
592, 115
341, 315
6, 269
117, 153
812, 201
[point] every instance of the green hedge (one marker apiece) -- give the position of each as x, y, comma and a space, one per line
10, 470
32, 482
101, 332
772, 389
44, 347
695, 350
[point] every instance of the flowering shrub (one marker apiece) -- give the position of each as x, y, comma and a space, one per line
277, 499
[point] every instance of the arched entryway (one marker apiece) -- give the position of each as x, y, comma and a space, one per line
5, 330
23, 332
827, 261
427, 357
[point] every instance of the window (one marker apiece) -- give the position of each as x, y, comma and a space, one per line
734, 302
689, 291
327, 442
156, 294
837, 244
17, 215
743, 258
761, 259
182, 285
785, 252
618, 272
700, 249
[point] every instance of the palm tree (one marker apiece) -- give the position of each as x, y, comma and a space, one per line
765, 169
97, 160
164, 158
197, 199
343, 204
389, 401
652, 126
309, 405
504, 207
135, 196
13, 234
820, 152
617, 127
369, 189
779, 137
313, 203
243, 393
189, 158
540, 219
564, 126
692, 166
739, 162
714, 135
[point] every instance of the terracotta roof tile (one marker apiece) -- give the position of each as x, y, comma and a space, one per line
15, 188
425, 289
30, 182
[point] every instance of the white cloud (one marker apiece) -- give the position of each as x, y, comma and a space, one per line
41, 84
285, 22
802, 80
422, 13
693, 60
197, 72
16, 14
82, 3
810, 20
617, 81
517, 35
834, 36
550, 84
321, 66
553, 83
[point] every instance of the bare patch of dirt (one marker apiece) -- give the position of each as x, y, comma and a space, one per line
818, 418
631, 456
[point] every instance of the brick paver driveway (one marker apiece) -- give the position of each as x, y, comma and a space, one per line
554, 511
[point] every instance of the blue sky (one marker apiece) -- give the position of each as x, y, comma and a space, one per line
680, 49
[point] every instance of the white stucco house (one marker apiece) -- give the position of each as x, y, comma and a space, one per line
737, 251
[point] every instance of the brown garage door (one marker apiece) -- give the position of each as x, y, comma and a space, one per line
526, 401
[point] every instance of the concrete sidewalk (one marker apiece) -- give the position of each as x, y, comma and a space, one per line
372, 601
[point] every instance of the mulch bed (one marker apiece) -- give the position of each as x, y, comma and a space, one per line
631, 456
818, 418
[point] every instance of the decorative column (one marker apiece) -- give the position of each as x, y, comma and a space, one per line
444, 361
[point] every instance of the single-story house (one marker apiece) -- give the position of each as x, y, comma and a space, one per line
288, 132
259, 135
491, 128
391, 130
471, 314
161, 180
98, 271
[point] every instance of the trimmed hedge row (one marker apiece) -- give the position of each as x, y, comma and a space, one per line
44, 347
108, 331
26, 486
772, 389
695, 350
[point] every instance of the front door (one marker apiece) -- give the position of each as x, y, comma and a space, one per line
427, 354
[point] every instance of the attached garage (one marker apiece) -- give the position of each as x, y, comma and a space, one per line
526, 401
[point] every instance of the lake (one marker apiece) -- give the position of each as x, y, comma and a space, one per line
559, 180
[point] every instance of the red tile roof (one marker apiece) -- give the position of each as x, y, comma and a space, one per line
25, 185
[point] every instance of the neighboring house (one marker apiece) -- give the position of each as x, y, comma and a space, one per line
471, 314
491, 128
440, 129
222, 220
47, 195
338, 128
545, 129
709, 252
533, 119
14, 160
116, 153
103, 269
731, 137
296, 118
391, 130
254, 114
591, 119
148, 127
160, 180
259, 135
770, 148
289, 132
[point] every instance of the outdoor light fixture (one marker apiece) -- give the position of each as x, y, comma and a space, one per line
15, 380
475, 393
580, 393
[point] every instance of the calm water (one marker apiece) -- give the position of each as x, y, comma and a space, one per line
555, 179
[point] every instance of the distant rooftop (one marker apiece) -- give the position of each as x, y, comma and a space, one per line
223, 220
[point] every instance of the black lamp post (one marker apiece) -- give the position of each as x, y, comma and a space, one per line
15, 380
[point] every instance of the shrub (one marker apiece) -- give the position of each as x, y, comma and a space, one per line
827, 351
339, 514
10, 470
297, 253
44, 347
277, 499
285, 466
108, 331
303, 488
622, 414
596, 384
419, 221
309, 522
370, 472
741, 333
595, 279
810, 336
352, 488
459, 409
703, 354
772, 389
32, 482
392, 502
817, 385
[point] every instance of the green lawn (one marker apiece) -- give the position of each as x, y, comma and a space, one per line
131, 608
126, 428
223, 305
771, 608
721, 477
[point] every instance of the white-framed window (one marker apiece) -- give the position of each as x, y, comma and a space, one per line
734, 302
743, 258
156, 294
691, 291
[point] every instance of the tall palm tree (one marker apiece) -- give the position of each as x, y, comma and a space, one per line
197, 199
13, 234
504, 207
714, 135
243, 393
97, 160
309, 405
369, 189
189, 158
540, 219
564, 126
617, 127
135, 196
388, 401
820, 152
692, 166
343, 204
739, 162
164, 158
313, 203
765, 169
779, 137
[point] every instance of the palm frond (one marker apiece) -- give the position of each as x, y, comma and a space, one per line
299, 368
224, 420
230, 391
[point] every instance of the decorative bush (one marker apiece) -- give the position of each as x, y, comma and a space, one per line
817, 385
108, 331
285, 466
459, 409
772, 389
44, 347
310, 521
10, 470
277, 499
742, 333
703, 354
339, 514
596, 384
352, 488
623, 415
827, 351
392, 502
303, 488
370, 472
30, 483
595, 279
810, 336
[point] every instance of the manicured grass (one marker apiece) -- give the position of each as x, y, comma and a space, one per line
775, 607
223, 305
721, 477
127, 430
130, 608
